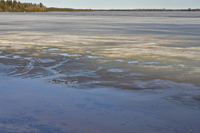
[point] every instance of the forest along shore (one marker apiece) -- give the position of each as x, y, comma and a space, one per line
14, 6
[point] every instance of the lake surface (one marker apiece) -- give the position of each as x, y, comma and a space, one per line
100, 72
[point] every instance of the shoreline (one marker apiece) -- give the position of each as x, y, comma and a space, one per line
189, 9
116, 10
90, 10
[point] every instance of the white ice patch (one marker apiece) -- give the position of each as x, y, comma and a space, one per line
3, 57
94, 57
16, 56
133, 62
144, 63
150, 63
28, 58
120, 60
51, 49
117, 70
88, 51
65, 54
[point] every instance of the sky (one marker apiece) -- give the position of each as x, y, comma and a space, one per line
119, 4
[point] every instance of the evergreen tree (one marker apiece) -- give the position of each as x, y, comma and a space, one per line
9, 2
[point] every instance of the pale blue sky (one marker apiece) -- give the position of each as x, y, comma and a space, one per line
119, 4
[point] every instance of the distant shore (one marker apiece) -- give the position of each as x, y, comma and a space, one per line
68, 9
189, 9
83, 10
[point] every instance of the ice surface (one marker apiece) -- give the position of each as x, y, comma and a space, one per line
153, 56
148, 42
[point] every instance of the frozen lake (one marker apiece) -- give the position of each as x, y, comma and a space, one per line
100, 72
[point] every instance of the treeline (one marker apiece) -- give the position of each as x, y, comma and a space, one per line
83, 10
14, 6
189, 9
68, 10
